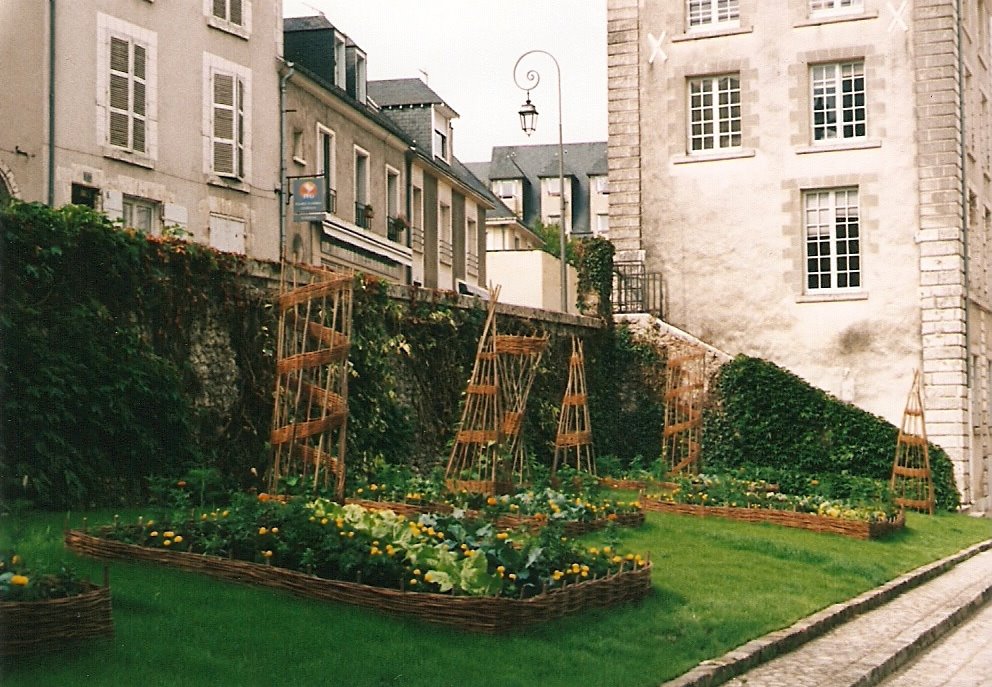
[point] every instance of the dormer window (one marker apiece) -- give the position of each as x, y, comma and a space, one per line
601, 184
440, 145
340, 62
356, 76
552, 186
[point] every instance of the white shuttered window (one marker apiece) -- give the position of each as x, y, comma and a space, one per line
127, 101
228, 130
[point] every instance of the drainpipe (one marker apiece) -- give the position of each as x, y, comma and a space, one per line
51, 103
408, 202
282, 159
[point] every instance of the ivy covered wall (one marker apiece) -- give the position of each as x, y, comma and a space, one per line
126, 357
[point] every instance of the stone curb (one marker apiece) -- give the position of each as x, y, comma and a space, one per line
763, 649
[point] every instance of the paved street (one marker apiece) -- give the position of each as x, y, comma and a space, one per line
861, 650
962, 659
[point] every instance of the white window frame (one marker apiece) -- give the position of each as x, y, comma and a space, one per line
828, 8
340, 61
109, 29
832, 256
552, 186
393, 207
444, 232
366, 184
132, 204
714, 114
328, 168
223, 15
601, 223
601, 184
215, 67
832, 117
706, 15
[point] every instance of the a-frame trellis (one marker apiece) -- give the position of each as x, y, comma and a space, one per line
476, 462
685, 389
912, 479
518, 358
573, 444
309, 422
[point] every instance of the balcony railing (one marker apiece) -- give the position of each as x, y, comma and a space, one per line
636, 290
363, 215
445, 251
417, 239
396, 230
472, 262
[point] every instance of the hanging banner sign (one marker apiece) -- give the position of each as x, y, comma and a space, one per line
308, 198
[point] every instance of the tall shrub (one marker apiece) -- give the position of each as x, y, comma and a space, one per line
768, 417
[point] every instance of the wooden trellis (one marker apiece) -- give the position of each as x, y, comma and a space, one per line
309, 423
685, 389
573, 444
912, 480
476, 462
517, 358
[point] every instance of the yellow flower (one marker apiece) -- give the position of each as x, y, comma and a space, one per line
501, 570
169, 535
313, 518
225, 514
413, 581
557, 575
374, 551
15, 559
416, 571
167, 542
149, 523
359, 490
324, 521
153, 534
274, 530
492, 501
19, 580
594, 551
179, 539
616, 559
203, 516
262, 531
373, 487
502, 535
512, 576
267, 554
390, 550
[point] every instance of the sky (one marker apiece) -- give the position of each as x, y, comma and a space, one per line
468, 49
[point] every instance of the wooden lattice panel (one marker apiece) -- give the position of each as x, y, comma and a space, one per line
685, 390
912, 479
311, 397
573, 444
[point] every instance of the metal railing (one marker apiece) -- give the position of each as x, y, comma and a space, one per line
635, 290
396, 230
363, 217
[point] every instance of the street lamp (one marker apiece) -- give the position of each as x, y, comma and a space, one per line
528, 122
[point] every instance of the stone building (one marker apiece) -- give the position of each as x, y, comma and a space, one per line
812, 180
163, 115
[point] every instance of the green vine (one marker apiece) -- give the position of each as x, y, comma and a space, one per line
594, 261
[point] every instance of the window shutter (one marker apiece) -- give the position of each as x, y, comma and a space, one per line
223, 124
119, 92
240, 142
139, 104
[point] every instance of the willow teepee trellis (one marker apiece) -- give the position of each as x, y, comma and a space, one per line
518, 358
912, 480
685, 389
309, 423
573, 444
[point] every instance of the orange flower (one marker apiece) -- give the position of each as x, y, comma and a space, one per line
263, 497
19, 580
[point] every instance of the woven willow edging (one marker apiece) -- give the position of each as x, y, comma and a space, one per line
572, 528
807, 521
474, 613
35, 626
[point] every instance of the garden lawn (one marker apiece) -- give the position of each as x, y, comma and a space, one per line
716, 584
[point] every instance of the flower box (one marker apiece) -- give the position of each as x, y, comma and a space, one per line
857, 529
488, 614
51, 624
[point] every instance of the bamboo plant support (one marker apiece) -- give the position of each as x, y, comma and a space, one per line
309, 422
573, 443
685, 389
518, 359
476, 463
912, 479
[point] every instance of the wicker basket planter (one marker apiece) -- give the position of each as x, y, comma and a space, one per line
476, 614
808, 521
572, 528
37, 626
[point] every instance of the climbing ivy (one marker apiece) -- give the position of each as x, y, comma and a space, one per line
594, 261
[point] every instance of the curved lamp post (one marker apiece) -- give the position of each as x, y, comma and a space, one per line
528, 122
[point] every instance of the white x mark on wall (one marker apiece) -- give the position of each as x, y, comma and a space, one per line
655, 44
897, 19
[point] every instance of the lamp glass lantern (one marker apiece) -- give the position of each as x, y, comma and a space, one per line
528, 116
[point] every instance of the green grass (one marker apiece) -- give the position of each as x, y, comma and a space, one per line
716, 585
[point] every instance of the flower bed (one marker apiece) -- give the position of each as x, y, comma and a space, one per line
489, 614
859, 529
49, 624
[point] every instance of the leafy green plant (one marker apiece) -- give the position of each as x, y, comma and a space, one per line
594, 262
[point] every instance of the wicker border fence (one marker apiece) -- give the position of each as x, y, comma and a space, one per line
48, 625
476, 614
857, 529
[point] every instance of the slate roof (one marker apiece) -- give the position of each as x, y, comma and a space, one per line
314, 23
398, 92
535, 162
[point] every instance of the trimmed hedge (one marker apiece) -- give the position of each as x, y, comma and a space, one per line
767, 417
